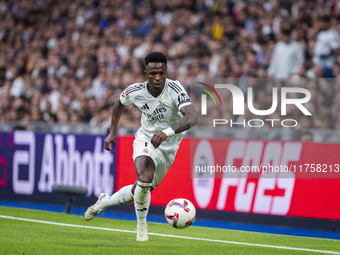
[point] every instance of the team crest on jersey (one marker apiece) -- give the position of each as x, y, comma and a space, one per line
146, 150
160, 101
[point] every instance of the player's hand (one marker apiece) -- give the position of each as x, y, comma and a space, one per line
158, 138
110, 142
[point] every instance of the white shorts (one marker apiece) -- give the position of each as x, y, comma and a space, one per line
163, 159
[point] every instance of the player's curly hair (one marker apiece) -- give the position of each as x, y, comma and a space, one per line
156, 57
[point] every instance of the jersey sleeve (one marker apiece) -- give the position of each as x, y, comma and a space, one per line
182, 97
127, 96
125, 100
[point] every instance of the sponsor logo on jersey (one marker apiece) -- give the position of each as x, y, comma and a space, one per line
157, 114
123, 94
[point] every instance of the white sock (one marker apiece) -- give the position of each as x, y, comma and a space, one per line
142, 199
121, 197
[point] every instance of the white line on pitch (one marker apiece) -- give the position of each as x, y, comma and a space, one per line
174, 236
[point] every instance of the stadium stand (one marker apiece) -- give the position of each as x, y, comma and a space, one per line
62, 63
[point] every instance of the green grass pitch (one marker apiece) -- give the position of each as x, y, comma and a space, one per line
57, 233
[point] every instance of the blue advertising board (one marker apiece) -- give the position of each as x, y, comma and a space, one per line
30, 164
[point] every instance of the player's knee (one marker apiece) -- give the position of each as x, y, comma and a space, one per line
145, 169
145, 177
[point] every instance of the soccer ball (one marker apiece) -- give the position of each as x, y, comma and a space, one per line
180, 213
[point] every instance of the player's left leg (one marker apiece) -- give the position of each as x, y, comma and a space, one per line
145, 169
122, 196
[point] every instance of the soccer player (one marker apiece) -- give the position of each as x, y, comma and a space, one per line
166, 113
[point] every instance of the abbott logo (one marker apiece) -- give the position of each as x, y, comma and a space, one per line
239, 100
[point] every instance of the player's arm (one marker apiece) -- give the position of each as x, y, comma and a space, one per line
110, 141
189, 120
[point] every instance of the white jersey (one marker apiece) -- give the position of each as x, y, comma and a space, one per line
325, 42
158, 113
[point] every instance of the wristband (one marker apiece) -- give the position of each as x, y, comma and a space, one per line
169, 132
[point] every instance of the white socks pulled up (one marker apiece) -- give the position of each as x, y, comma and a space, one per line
121, 197
142, 199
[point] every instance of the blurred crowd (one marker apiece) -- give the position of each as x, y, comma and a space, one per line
67, 61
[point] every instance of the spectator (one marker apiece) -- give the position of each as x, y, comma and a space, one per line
326, 47
306, 137
76, 55
287, 57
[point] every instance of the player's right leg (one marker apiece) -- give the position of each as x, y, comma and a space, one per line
145, 168
122, 196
